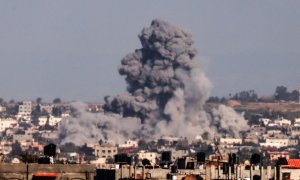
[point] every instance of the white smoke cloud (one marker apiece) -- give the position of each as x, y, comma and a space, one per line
167, 91
87, 127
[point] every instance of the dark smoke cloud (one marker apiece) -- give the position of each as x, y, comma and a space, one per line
151, 71
166, 91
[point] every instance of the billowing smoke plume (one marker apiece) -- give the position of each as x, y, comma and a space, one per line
166, 91
87, 127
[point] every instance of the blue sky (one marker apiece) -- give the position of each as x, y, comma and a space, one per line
72, 49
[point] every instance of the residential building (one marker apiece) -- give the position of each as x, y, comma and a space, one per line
275, 155
7, 123
25, 109
43, 120
54, 120
129, 143
105, 151
278, 143
295, 131
22, 138
151, 156
2, 109
265, 121
283, 122
230, 141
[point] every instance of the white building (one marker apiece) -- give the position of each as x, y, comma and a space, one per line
278, 143
2, 109
43, 120
7, 123
283, 122
25, 109
151, 156
129, 143
297, 122
265, 121
54, 120
65, 114
230, 141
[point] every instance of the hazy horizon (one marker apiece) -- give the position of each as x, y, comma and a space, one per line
72, 49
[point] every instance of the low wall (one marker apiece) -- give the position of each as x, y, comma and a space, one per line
57, 171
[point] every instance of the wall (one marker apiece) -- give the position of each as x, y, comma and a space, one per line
27, 172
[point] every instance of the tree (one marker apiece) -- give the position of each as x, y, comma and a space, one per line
281, 93
56, 111
213, 99
294, 96
38, 100
16, 149
28, 157
246, 96
56, 101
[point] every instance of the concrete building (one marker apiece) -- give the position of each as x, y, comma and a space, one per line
178, 154
275, 155
265, 121
295, 131
151, 156
257, 130
25, 109
22, 138
251, 138
7, 123
43, 120
297, 122
230, 141
2, 109
283, 122
105, 151
293, 142
278, 143
129, 143
54, 120
53, 135
290, 171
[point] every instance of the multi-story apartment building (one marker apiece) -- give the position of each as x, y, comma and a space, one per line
105, 151
25, 109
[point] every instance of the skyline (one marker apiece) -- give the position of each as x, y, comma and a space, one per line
73, 50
